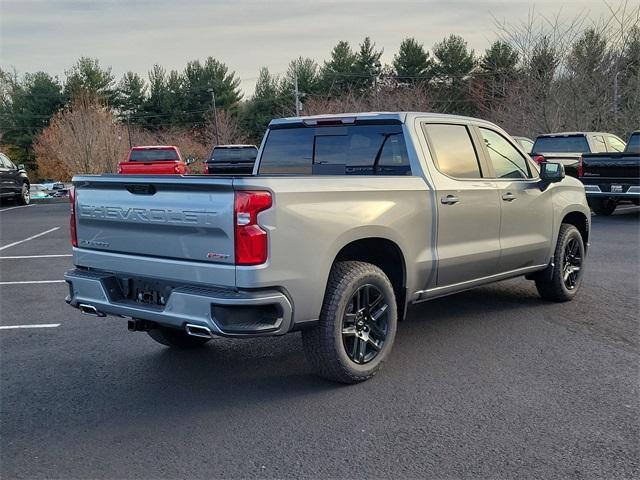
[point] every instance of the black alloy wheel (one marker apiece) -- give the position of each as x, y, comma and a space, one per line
571, 264
364, 325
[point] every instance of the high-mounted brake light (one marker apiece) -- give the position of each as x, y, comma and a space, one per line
72, 217
251, 241
538, 159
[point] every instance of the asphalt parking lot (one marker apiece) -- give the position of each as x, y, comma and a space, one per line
491, 383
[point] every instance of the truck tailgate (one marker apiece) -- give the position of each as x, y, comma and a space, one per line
172, 217
618, 166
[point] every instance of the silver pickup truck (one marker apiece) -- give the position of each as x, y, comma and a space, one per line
345, 221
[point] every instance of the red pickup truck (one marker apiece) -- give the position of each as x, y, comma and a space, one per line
153, 160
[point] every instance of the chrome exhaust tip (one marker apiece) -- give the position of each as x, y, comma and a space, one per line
198, 331
90, 310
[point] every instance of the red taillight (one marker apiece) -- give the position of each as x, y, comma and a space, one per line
538, 159
580, 167
252, 242
72, 217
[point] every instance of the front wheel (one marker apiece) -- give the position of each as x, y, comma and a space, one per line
603, 206
24, 198
357, 324
173, 337
568, 267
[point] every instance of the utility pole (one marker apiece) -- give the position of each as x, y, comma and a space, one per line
215, 114
129, 131
297, 95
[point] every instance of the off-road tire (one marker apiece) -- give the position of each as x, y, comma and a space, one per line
323, 344
603, 206
554, 289
172, 337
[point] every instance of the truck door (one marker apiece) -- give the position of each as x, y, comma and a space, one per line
468, 229
526, 223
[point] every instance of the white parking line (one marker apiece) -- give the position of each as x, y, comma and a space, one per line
15, 257
30, 238
13, 208
31, 281
42, 325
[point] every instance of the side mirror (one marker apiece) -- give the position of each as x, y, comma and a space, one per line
551, 172
21, 166
190, 160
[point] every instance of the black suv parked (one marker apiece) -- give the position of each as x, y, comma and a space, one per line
14, 182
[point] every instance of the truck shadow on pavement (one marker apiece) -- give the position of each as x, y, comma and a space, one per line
231, 376
231, 373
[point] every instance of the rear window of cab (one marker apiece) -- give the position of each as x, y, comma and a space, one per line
153, 155
563, 144
377, 149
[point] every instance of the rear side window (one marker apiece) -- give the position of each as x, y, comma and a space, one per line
453, 150
564, 144
336, 150
505, 158
153, 155
527, 145
599, 145
615, 145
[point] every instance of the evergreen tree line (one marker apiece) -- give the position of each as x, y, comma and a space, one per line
528, 80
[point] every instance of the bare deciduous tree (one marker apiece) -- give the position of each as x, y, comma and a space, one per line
82, 138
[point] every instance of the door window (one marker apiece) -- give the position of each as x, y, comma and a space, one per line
506, 159
453, 150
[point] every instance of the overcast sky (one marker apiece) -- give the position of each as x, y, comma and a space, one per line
132, 35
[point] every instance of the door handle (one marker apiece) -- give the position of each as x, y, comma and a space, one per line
449, 200
509, 197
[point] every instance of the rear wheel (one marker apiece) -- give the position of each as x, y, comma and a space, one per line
24, 198
603, 206
357, 324
568, 262
172, 337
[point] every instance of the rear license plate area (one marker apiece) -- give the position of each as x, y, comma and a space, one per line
616, 189
146, 292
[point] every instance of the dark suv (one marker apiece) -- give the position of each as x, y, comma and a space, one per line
14, 182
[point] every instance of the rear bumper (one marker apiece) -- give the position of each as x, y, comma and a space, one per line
596, 191
224, 312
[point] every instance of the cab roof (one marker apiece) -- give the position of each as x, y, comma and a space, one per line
346, 118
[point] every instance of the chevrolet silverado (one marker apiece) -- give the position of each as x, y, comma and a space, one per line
347, 221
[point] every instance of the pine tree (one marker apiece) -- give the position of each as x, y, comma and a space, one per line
412, 63
367, 66
25, 109
307, 71
454, 63
265, 104
498, 69
87, 77
337, 76
130, 96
